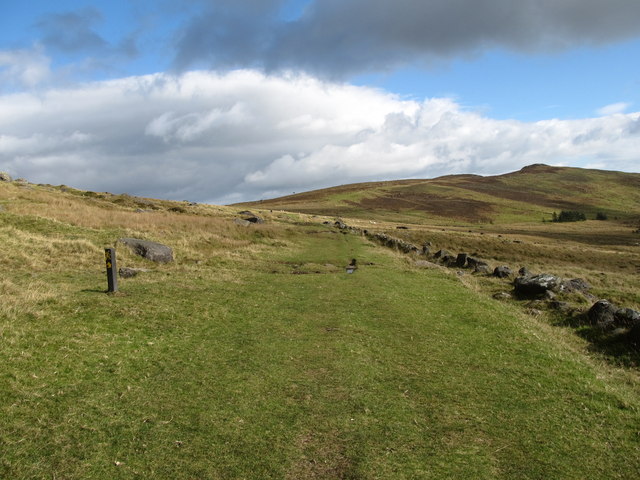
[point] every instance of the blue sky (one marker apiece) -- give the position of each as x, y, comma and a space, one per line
351, 90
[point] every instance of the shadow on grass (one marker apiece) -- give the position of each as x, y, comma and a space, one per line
615, 345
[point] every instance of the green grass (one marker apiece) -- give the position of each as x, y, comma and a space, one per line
256, 356
388, 373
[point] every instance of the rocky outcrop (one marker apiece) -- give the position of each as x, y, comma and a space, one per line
5, 177
156, 252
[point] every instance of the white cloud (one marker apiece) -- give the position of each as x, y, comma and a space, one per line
245, 135
23, 68
614, 108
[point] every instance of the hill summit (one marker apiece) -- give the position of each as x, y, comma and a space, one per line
533, 193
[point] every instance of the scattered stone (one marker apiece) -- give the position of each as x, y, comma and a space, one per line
502, 296
602, 314
340, 224
576, 285
461, 260
502, 272
426, 249
537, 284
627, 317
242, 222
449, 261
524, 272
606, 315
126, 272
5, 177
482, 268
550, 295
254, 219
441, 253
246, 212
156, 252
425, 264
473, 262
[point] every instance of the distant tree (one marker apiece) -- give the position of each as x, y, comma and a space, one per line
601, 216
568, 216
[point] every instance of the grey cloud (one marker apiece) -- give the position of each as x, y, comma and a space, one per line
72, 31
342, 37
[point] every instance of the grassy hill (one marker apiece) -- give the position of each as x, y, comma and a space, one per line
254, 355
530, 194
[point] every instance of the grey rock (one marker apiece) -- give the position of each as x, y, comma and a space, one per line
126, 272
448, 260
5, 177
602, 314
482, 268
524, 272
502, 272
340, 224
156, 252
536, 285
502, 296
461, 260
473, 262
441, 253
254, 219
627, 317
606, 315
242, 222
576, 285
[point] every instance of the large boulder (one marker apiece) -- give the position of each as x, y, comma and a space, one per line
5, 177
605, 314
156, 252
537, 284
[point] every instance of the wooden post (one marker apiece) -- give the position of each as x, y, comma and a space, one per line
112, 275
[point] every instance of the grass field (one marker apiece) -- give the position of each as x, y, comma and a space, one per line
254, 355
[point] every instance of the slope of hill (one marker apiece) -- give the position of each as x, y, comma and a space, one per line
531, 194
254, 355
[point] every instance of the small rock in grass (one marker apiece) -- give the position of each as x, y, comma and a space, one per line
502, 272
502, 296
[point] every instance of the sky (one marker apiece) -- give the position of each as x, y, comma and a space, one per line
222, 101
